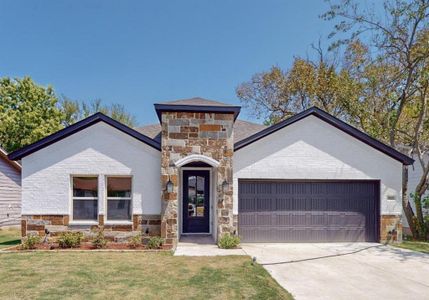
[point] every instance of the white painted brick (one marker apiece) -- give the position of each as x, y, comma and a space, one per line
98, 150
313, 149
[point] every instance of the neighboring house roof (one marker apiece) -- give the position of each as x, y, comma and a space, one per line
242, 129
3, 155
196, 104
78, 126
324, 116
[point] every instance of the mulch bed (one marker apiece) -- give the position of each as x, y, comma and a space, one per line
83, 246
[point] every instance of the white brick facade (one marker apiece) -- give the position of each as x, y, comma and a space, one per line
97, 150
313, 149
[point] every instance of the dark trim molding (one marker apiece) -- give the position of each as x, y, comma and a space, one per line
197, 108
314, 111
78, 126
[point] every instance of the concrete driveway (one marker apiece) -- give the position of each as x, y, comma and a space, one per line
345, 271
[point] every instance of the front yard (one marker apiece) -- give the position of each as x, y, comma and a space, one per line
116, 275
9, 237
415, 246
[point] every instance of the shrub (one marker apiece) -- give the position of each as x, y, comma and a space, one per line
70, 239
155, 242
30, 242
228, 241
99, 241
135, 241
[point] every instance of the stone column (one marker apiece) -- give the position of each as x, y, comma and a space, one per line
186, 133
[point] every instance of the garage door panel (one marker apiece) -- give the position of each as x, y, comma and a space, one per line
308, 211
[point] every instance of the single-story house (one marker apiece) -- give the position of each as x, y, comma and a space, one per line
309, 178
10, 191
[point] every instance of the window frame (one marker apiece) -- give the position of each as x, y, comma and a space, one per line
72, 198
107, 198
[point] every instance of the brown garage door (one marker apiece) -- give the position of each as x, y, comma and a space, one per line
278, 211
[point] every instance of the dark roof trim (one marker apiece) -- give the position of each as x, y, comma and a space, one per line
78, 126
197, 108
363, 137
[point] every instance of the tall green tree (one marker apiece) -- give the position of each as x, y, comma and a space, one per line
28, 112
398, 56
277, 94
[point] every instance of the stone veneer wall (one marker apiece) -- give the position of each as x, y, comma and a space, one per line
36, 224
390, 228
186, 133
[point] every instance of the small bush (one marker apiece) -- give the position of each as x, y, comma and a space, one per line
135, 241
228, 241
99, 241
155, 242
70, 239
30, 242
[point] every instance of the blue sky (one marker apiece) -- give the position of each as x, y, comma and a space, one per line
140, 52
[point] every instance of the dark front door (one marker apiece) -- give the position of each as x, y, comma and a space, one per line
196, 201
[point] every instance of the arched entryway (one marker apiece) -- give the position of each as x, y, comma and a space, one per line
197, 194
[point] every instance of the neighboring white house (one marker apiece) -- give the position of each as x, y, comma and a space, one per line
414, 175
10, 191
309, 178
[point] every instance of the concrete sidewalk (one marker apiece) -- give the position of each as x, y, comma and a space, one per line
202, 246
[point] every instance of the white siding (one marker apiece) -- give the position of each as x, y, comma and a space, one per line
97, 150
10, 194
313, 149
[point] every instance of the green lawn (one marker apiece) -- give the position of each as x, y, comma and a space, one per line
114, 275
9, 237
416, 246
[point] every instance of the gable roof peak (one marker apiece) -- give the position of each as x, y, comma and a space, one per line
78, 126
334, 121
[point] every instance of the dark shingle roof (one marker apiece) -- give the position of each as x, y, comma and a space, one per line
196, 101
242, 130
196, 105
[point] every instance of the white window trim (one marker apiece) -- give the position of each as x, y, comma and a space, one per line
114, 222
72, 198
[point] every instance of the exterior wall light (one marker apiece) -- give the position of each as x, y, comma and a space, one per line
169, 186
225, 186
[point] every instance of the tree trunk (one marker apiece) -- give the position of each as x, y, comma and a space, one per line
421, 227
408, 210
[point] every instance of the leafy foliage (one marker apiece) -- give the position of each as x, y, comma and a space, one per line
276, 94
70, 239
135, 241
74, 111
155, 242
30, 242
99, 241
229, 241
28, 112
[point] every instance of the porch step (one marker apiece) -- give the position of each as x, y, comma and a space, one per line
197, 240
